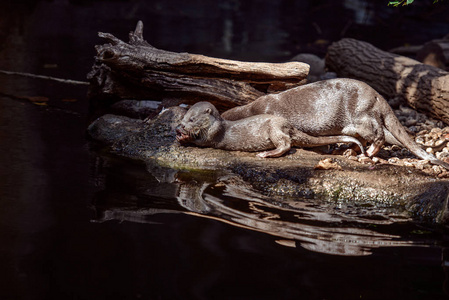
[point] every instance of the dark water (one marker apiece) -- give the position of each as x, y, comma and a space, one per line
76, 224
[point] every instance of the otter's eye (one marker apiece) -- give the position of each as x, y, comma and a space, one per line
191, 120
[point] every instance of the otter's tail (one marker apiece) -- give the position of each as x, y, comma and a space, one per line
398, 131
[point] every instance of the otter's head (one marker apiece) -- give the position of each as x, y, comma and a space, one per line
200, 124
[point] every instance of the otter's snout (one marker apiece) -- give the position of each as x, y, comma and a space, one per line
180, 129
181, 134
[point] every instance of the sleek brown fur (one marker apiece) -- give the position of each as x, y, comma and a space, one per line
202, 125
337, 107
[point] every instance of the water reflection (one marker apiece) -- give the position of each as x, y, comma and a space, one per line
131, 193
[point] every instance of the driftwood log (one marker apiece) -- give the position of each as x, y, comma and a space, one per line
137, 70
435, 53
424, 87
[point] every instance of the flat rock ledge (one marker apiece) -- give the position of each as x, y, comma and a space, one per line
398, 193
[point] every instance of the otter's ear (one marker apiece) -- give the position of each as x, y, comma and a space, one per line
208, 111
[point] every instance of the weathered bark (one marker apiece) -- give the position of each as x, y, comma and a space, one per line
138, 70
424, 87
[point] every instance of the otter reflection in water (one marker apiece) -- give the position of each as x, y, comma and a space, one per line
293, 222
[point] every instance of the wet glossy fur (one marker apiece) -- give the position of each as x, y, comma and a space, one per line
203, 126
337, 107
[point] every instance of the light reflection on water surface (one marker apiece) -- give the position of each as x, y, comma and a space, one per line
312, 224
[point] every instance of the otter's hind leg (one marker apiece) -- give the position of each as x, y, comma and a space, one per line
280, 139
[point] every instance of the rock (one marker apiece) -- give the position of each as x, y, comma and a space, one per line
317, 66
410, 122
365, 160
327, 164
350, 153
421, 195
138, 109
110, 128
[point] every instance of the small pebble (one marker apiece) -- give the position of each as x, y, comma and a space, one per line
436, 130
436, 169
365, 160
327, 164
393, 160
349, 153
408, 164
410, 122
420, 140
440, 142
443, 174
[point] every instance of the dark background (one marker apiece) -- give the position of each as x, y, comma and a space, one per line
63, 32
49, 246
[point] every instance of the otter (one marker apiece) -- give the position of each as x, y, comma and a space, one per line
203, 126
339, 106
